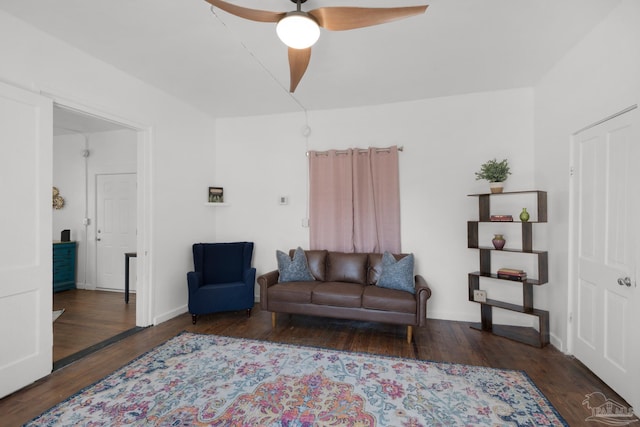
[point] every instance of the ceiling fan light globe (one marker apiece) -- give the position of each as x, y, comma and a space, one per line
298, 30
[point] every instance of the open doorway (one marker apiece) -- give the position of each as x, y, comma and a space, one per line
90, 156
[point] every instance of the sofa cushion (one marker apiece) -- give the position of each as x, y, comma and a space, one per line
375, 266
317, 261
298, 292
397, 274
347, 267
377, 298
338, 294
293, 270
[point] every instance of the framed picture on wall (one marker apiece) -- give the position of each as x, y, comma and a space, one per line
216, 195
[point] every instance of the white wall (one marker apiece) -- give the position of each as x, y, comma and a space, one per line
68, 177
180, 154
445, 140
109, 153
599, 77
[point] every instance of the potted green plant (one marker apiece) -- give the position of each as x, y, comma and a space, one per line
495, 172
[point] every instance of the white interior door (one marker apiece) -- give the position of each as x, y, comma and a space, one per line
606, 298
26, 332
115, 228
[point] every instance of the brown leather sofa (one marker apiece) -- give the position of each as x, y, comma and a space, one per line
345, 288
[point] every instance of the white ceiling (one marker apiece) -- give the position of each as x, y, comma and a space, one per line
227, 66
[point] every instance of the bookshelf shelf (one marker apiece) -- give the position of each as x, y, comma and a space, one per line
536, 337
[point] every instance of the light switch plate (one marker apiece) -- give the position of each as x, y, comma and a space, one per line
480, 296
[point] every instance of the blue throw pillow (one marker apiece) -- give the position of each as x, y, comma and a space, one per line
294, 270
397, 274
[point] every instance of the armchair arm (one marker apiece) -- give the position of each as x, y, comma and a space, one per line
194, 280
250, 277
266, 280
423, 293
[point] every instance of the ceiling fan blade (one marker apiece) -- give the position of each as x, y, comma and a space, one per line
251, 14
348, 18
298, 62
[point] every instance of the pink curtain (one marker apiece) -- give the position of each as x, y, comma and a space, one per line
355, 200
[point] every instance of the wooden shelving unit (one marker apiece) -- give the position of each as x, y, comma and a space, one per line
531, 336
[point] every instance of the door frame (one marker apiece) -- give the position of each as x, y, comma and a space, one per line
144, 291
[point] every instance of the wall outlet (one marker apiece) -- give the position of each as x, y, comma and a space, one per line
480, 296
305, 222
283, 200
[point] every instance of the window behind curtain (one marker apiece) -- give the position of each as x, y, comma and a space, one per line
354, 203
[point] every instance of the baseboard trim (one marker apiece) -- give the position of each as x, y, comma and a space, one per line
170, 315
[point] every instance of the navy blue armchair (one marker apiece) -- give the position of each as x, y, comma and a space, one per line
223, 279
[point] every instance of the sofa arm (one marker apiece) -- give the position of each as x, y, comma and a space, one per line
423, 293
266, 280
194, 280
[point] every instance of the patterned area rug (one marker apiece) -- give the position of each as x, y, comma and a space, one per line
195, 380
56, 314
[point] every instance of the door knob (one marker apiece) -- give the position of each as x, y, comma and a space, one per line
99, 239
625, 282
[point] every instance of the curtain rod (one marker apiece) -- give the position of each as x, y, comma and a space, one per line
359, 150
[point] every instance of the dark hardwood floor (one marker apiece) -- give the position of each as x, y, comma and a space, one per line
89, 318
562, 379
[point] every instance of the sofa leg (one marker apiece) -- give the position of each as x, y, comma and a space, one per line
248, 312
273, 319
409, 333
194, 318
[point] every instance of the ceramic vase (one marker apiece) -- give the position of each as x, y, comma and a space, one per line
524, 215
498, 241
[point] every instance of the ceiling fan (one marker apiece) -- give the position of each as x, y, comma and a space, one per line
299, 30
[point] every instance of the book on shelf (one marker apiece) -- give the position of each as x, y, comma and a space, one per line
511, 271
501, 218
512, 274
513, 277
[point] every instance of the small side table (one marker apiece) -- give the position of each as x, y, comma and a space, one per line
127, 258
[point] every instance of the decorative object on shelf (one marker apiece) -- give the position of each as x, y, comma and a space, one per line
496, 172
524, 215
501, 218
498, 241
58, 200
216, 195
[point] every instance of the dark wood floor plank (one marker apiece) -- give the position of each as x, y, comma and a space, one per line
89, 317
562, 379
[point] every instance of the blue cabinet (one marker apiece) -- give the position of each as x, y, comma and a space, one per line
64, 266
